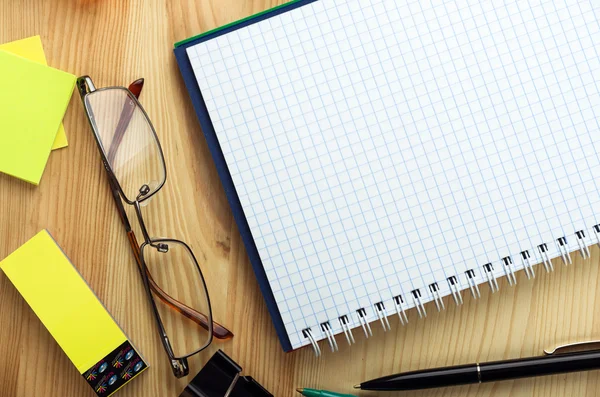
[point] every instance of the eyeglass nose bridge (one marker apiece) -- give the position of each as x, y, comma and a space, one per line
138, 213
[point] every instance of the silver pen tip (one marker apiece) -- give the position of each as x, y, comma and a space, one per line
357, 386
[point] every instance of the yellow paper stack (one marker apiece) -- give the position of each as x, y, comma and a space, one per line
33, 101
73, 315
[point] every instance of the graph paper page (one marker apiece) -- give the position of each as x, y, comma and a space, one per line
383, 147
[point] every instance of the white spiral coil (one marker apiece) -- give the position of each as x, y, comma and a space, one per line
398, 301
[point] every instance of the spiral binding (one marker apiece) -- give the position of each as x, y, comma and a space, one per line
399, 302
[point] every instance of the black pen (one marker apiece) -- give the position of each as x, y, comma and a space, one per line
552, 363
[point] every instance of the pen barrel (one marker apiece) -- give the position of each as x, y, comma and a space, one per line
439, 377
322, 393
539, 366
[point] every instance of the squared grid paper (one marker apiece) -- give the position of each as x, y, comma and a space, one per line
379, 146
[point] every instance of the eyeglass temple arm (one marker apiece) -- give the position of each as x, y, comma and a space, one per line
126, 113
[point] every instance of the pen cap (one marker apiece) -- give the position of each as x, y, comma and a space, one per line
220, 378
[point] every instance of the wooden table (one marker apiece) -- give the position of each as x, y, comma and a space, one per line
117, 41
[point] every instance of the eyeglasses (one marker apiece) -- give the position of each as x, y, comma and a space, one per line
136, 169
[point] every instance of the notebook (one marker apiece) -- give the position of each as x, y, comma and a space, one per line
380, 155
33, 101
32, 49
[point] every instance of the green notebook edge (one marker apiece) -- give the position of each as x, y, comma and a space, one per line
230, 24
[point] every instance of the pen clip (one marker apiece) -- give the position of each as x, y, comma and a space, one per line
558, 349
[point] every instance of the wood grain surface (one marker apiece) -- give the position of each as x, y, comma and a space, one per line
117, 41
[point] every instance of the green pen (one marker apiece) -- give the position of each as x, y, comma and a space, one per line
321, 393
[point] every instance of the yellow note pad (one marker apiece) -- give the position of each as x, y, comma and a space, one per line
72, 313
33, 101
32, 49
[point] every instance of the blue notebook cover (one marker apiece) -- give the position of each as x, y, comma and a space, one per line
213, 144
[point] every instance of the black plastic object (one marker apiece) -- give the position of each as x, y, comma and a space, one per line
540, 366
488, 372
438, 377
218, 377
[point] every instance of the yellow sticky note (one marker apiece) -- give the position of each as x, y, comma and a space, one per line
32, 49
33, 101
72, 313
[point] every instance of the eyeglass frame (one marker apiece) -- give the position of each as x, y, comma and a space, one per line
179, 365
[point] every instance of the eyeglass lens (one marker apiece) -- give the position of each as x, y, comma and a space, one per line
128, 140
174, 269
